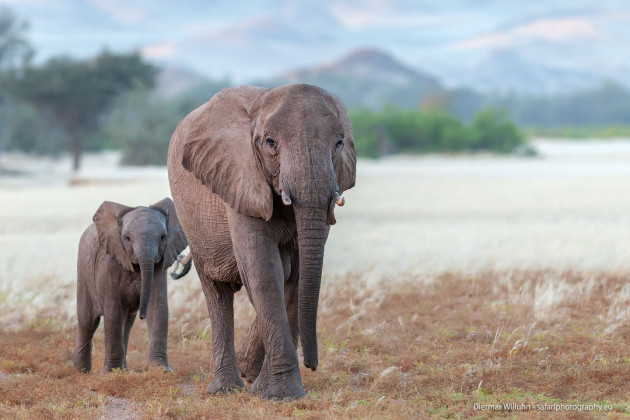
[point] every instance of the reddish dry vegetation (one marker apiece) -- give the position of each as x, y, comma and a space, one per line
417, 350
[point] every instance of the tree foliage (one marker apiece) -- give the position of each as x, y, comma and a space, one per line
78, 94
141, 123
393, 130
15, 51
141, 126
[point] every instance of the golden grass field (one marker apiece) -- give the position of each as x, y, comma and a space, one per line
453, 286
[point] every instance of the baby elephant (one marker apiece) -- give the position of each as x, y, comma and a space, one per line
123, 257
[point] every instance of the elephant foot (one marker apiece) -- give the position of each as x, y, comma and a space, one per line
223, 386
250, 357
82, 363
285, 387
160, 363
260, 383
250, 368
165, 368
112, 366
283, 392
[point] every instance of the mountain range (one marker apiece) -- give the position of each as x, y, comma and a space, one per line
365, 77
370, 77
527, 47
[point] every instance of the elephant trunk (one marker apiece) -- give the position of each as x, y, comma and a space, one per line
146, 273
312, 233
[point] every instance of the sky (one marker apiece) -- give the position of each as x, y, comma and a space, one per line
246, 40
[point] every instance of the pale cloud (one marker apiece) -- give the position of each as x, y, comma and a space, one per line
618, 15
21, 2
542, 29
379, 14
159, 50
121, 11
354, 17
558, 29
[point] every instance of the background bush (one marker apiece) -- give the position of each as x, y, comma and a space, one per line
393, 130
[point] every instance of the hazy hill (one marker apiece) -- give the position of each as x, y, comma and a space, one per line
372, 78
508, 70
171, 81
366, 77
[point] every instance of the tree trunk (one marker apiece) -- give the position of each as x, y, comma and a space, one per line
75, 148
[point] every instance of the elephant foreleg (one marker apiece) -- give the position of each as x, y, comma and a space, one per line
252, 353
126, 330
220, 300
114, 348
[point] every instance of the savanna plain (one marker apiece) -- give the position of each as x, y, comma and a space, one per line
472, 286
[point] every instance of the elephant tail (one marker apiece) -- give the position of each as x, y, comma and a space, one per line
184, 261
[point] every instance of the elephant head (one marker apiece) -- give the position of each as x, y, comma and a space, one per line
141, 237
293, 143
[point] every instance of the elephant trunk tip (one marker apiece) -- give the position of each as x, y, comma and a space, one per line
143, 314
310, 365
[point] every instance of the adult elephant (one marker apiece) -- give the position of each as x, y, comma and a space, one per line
255, 175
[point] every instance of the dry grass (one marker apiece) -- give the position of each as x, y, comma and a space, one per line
447, 283
399, 351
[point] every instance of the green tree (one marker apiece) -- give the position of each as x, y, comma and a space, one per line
78, 94
141, 125
494, 131
393, 130
15, 52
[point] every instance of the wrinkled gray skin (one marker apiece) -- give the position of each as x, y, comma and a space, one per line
123, 257
230, 161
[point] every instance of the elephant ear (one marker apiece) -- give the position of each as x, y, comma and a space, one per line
176, 240
108, 221
219, 152
346, 166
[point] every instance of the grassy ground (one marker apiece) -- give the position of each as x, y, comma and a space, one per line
433, 348
448, 282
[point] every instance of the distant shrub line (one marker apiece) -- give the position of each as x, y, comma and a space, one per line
141, 126
394, 130
585, 132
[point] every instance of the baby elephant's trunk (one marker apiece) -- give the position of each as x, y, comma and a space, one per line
146, 271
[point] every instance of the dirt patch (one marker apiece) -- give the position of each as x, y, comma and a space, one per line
187, 390
119, 409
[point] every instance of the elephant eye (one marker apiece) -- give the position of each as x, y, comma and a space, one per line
127, 238
162, 237
270, 142
339, 143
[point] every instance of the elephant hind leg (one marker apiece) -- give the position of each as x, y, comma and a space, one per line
252, 354
82, 353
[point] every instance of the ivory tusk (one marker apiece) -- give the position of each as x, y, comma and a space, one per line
185, 259
286, 198
339, 200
